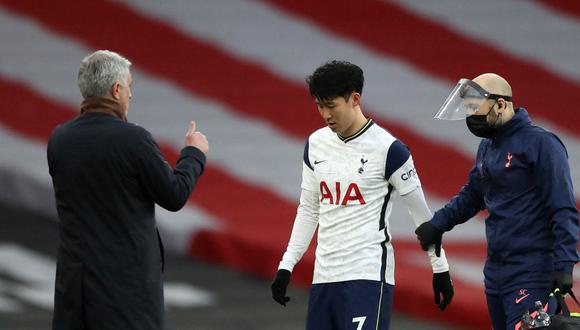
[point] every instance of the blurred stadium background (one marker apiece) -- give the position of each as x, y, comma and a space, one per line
237, 67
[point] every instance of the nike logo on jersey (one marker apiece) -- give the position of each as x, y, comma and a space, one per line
316, 162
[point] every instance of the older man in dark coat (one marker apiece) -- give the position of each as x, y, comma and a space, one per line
108, 175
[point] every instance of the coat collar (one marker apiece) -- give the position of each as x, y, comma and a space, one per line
103, 105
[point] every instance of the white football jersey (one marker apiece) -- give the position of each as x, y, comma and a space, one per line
353, 180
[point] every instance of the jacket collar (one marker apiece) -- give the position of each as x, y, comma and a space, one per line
519, 120
103, 105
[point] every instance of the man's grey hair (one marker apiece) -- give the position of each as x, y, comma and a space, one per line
99, 71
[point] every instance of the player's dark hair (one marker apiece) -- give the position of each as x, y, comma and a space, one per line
334, 79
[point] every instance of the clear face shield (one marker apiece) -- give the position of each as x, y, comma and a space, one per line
465, 99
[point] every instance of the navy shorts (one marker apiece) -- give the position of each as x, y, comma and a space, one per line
506, 310
350, 305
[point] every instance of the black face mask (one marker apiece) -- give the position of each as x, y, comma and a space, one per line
478, 125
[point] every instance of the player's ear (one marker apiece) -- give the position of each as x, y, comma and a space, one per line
355, 99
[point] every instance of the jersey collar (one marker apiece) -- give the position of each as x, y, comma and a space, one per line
357, 134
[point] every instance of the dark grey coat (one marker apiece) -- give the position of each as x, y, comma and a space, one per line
107, 176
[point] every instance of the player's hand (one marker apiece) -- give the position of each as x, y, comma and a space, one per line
279, 286
443, 289
428, 235
563, 281
196, 139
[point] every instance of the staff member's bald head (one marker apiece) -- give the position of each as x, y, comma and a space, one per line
501, 110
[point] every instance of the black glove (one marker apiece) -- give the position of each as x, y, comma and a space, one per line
442, 286
279, 287
563, 281
427, 234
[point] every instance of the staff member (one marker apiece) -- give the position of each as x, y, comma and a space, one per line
522, 177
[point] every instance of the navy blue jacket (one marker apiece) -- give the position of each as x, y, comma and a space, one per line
522, 178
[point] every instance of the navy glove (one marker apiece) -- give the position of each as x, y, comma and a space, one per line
443, 289
279, 286
563, 281
427, 234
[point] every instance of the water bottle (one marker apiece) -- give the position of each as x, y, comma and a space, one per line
527, 321
542, 319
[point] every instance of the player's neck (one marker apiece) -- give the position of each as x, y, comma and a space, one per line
359, 122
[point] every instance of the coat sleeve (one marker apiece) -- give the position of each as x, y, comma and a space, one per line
169, 188
463, 206
553, 177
